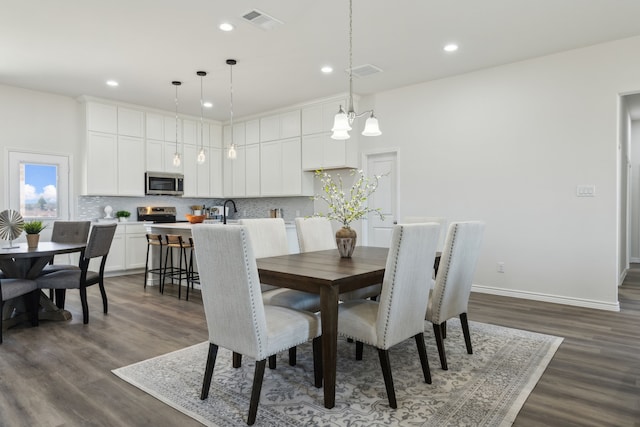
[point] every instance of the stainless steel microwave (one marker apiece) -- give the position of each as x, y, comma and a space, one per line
162, 183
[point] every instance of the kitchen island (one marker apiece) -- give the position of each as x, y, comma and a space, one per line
184, 229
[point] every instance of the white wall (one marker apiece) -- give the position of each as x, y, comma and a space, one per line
38, 122
509, 145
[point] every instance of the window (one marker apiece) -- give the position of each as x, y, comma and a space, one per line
38, 190
38, 185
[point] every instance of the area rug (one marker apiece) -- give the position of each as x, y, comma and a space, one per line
486, 388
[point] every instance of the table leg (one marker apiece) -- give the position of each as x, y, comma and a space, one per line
329, 317
50, 311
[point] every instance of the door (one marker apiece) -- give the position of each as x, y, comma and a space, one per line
378, 232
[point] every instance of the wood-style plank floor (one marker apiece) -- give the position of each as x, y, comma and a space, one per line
59, 374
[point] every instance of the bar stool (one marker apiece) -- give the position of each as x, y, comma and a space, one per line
193, 275
154, 240
173, 242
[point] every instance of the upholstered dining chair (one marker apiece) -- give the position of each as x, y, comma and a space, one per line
316, 234
269, 238
12, 288
98, 246
450, 295
67, 232
443, 233
236, 317
399, 314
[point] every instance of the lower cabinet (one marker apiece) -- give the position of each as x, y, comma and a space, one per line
128, 250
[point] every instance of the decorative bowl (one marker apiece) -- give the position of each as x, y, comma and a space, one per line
195, 219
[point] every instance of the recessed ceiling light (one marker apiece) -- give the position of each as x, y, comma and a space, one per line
451, 47
207, 104
225, 26
112, 83
327, 69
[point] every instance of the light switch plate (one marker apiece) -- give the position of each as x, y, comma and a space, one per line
586, 191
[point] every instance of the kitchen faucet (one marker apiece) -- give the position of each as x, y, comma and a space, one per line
224, 209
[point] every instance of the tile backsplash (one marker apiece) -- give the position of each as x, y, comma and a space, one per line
92, 207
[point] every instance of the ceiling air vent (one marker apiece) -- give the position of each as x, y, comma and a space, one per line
365, 70
262, 20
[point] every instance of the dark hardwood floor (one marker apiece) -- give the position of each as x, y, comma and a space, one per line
59, 374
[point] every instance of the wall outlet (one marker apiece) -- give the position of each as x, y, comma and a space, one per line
500, 267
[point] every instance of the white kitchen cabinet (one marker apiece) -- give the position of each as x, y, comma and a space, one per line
155, 126
252, 170
235, 173
280, 169
196, 176
252, 132
169, 153
319, 151
155, 155
170, 132
190, 132
102, 117
117, 256
280, 126
215, 136
131, 166
215, 172
101, 164
130, 122
135, 246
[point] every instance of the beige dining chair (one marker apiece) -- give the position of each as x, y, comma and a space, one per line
450, 295
269, 238
316, 234
98, 246
399, 314
13, 288
236, 317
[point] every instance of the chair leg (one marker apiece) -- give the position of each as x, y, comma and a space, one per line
208, 371
437, 331
237, 360
317, 361
424, 361
105, 303
163, 277
33, 307
465, 331
146, 266
359, 349
255, 391
1, 307
51, 295
60, 297
272, 361
292, 356
444, 330
388, 379
85, 306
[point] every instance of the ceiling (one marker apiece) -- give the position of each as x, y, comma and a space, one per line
71, 47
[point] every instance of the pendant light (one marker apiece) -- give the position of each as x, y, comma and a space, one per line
231, 154
176, 156
201, 155
343, 120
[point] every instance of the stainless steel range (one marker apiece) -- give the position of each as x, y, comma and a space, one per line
157, 214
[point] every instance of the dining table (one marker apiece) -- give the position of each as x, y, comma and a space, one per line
21, 261
327, 274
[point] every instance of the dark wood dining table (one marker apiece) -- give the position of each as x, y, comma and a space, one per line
328, 275
27, 263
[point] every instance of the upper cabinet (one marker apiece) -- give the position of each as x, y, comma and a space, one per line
114, 152
280, 126
319, 151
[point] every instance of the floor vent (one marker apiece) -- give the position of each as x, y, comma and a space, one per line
262, 20
365, 70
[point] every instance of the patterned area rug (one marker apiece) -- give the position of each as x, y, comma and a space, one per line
487, 388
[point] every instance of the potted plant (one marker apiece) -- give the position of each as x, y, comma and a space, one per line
33, 229
347, 206
123, 215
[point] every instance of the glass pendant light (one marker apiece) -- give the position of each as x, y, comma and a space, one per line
201, 154
343, 120
231, 154
176, 157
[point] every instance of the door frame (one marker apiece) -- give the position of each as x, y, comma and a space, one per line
364, 161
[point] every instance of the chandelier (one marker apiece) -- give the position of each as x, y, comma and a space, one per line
343, 120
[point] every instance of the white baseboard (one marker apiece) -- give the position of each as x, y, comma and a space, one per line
547, 298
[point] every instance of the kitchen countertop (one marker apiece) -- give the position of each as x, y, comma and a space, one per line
189, 226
